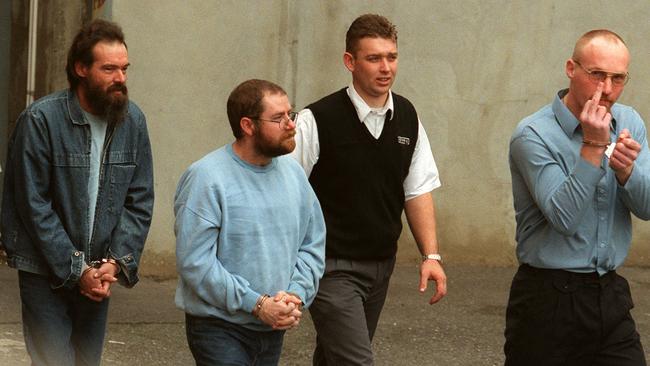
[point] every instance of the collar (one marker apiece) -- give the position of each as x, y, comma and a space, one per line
362, 108
74, 108
256, 168
568, 122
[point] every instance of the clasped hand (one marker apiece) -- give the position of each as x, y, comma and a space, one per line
281, 312
95, 283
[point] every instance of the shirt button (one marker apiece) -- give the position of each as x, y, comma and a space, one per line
76, 254
602, 245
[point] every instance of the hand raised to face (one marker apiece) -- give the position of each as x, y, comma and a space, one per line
595, 119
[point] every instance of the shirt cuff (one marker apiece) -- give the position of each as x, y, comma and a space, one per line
249, 301
77, 264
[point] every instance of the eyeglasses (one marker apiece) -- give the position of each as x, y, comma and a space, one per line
618, 79
283, 122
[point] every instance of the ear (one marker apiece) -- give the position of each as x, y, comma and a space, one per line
247, 126
80, 69
570, 68
348, 61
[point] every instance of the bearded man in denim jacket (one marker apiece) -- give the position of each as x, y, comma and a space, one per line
78, 198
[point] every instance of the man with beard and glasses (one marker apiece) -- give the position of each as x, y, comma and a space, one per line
250, 235
368, 159
78, 198
580, 168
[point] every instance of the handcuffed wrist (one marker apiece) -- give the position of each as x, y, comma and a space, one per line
596, 143
258, 305
98, 263
86, 269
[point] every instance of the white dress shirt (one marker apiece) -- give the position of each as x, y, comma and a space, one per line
423, 172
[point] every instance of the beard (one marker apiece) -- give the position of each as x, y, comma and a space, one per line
111, 107
271, 149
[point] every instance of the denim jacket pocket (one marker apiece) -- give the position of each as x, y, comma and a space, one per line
121, 169
120, 178
122, 174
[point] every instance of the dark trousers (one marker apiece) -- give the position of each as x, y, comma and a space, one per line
555, 317
62, 327
215, 341
346, 310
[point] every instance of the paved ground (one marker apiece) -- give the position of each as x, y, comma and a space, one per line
465, 329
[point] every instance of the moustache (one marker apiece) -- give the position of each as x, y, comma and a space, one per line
118, 87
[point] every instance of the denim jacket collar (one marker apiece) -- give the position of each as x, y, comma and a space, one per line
74, 108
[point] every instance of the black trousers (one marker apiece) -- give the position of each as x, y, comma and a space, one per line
556, 317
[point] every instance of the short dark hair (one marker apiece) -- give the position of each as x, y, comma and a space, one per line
369, 25
246, 101
82, 46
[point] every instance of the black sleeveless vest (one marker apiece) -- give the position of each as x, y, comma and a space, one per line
359, 179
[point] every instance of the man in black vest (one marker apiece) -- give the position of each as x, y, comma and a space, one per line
368, 159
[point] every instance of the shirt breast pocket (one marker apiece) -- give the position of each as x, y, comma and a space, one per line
122, 174
121, 169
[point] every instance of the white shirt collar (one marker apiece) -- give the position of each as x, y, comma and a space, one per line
363, 110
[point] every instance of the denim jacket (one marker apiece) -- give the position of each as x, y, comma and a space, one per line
45, 199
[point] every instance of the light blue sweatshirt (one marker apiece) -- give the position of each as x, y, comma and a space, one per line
242, 231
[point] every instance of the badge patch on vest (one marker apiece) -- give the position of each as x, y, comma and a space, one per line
403, 140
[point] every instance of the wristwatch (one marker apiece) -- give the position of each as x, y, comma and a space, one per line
435, 257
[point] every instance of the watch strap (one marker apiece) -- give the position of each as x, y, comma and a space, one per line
435, 257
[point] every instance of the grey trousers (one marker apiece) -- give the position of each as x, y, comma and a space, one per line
346, 310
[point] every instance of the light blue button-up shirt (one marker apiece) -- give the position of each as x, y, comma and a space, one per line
570, 214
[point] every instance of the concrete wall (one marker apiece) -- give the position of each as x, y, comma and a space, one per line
472, 68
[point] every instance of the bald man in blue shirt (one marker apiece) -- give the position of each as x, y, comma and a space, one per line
580, 168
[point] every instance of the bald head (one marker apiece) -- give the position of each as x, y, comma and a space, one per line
599, 38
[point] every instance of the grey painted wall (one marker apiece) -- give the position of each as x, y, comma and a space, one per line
472, 68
